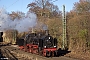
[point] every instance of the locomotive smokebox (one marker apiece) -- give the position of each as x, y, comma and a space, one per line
46, 32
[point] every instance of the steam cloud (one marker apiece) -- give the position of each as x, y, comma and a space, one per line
23, 24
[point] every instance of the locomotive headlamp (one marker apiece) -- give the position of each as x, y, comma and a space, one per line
44, 46
49, 37
54, 46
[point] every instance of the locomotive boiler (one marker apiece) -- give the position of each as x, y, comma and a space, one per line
39, 43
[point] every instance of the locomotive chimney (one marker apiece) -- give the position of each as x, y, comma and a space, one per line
46, 32
32, 31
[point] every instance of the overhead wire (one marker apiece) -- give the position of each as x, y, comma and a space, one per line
16, 2
21, 5
13, 3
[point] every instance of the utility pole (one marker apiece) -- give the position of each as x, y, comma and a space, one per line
64, 46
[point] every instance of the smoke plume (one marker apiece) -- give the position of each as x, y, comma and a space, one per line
23, 24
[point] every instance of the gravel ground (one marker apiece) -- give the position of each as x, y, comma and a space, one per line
21, 55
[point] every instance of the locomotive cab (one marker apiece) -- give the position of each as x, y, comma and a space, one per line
29, 38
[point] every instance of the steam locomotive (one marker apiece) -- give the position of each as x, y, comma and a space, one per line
39, 43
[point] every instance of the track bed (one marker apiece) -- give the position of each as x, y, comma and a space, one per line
13, 53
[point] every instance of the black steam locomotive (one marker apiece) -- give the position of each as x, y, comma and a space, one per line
39, 43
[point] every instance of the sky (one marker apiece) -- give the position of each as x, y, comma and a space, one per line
21, 5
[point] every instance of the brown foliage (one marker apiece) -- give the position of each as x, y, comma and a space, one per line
82, 6
17, 15
78, 26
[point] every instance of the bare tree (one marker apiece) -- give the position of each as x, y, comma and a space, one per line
43, 7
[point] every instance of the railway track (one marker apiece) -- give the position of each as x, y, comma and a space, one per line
13, 53
8, 54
